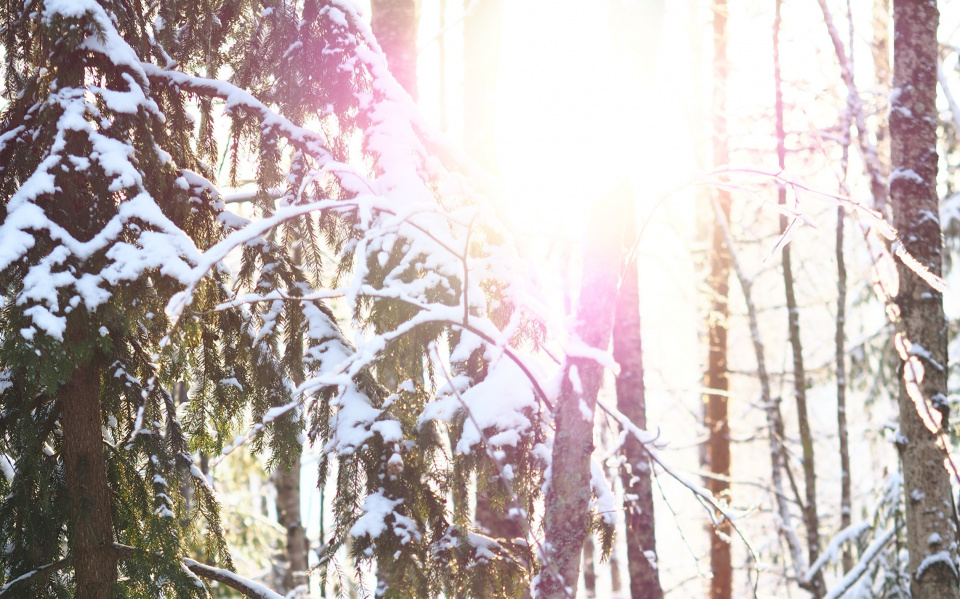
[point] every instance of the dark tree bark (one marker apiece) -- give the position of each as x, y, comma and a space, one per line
717, 452
91, 514
810, 517
631, 401
394, 23
922, 330
566, 512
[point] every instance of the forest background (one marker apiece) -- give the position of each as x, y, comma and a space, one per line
749, 146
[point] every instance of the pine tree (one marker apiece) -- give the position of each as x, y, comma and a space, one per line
922, 332
115, 232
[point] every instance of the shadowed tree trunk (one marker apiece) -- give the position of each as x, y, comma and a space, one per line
91, 515
566, 509
717, 451
922, 330
287, 482
635, 470
589, 568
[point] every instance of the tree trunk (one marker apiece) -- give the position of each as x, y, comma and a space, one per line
590, 568
846, 505
394, 24
635, 472
717, 451
810, 518
922, 330
567, 513
91, 514
880, 49
288, 514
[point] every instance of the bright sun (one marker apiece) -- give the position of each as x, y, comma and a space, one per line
575, 116
578, 110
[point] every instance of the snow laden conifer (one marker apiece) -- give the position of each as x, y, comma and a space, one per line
374, 309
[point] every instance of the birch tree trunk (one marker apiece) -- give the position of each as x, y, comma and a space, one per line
717, 453
930, 513
567, 513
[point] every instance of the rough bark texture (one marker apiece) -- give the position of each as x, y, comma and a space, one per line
631, 401
717, 453
931, 520
288, 514
567, 513
91, 516
810, 517
394, 23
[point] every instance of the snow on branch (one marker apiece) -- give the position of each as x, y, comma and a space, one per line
858, 570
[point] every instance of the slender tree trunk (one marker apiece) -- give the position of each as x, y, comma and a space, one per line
635, 472
880, 48
615, 584
91, 513
287, 483
841, 373
867, 148
394, 23
772, 408
566, 510
931, 517
717, 454
810, 518
590, 568
846, 503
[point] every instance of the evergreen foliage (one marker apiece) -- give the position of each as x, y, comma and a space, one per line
113, 264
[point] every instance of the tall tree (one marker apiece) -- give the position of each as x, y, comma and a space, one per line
567, 514
631, 401
810, 517
717, 450
114, 288
922, 332
638, 27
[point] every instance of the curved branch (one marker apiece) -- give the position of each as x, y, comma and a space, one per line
248, 588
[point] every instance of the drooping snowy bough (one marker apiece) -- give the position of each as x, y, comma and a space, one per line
376, 302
